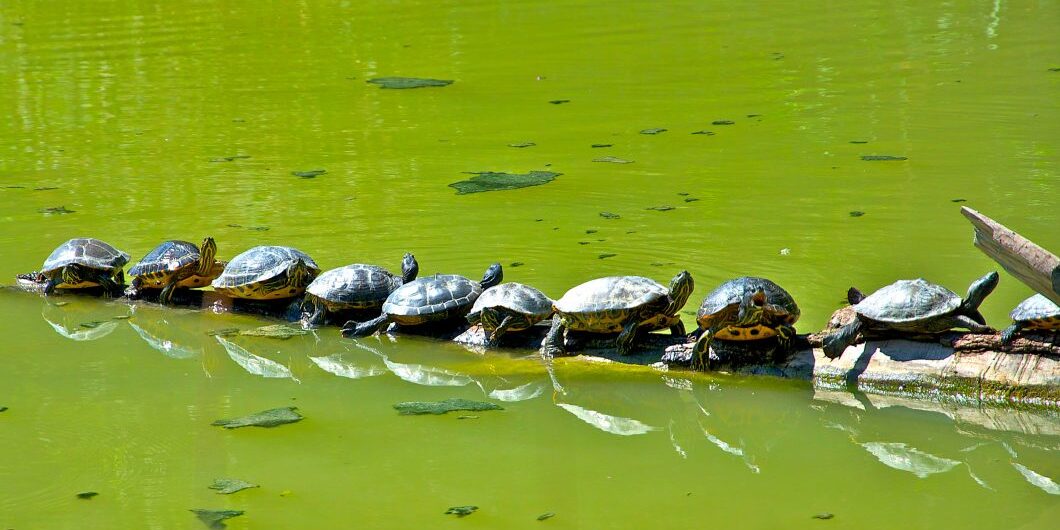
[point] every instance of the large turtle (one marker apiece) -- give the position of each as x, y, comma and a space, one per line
746, 308
84, 262
267, 273
913, 306
430, 299
1036, 312
509, 307
619, 304
175, 264
354, 287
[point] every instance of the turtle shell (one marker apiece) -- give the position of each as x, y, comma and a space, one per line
603, 305
87, 252
441, 295
516, 297
908, 301
1036, 308
732, 292
166, 259
354, 286
260, 264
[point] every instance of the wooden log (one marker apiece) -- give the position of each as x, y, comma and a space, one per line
1031, 264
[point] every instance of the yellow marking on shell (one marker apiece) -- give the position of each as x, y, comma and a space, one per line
78, 285
1046, 324
748, 333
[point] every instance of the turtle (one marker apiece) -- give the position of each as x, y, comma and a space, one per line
913, 306
357, 287
175, 264
1036, 312
509, 307
430, 299
746, 308
619, 304
267, 273
84, 262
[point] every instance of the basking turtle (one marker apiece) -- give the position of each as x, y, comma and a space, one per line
175, 264
84, 262
619, 304
1036, 312
430, 299
913, 306
357, 287
267, 273
746, 308
509, 307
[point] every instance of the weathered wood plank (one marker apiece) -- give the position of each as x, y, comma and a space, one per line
1031, 264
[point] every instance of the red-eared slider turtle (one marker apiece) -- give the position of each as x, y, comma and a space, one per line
746, 308
175, 264
913, 306
619, 304
354, 287
84, 262
509, 307
267, 273
430, 299
1036, 312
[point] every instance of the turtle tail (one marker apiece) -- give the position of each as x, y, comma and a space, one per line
977, 292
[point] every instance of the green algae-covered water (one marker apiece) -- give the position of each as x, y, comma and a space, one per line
146, 122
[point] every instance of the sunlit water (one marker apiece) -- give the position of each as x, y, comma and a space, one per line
128, 111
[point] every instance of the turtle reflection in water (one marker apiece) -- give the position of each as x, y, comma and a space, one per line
913, 306
619, 304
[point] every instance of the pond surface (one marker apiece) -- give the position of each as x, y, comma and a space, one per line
822, 148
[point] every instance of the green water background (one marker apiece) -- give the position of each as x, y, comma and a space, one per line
124, 107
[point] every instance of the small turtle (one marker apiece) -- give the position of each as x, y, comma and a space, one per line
619, 304
356, 287
1036, 312
175, 264
430, 299
84, 262
267, 273
509, 307
746, 308
913, 306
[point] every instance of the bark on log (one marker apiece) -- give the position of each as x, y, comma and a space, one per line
1031, 264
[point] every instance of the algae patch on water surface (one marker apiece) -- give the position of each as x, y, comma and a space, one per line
497, 181
408, 82
265, 418
442, 407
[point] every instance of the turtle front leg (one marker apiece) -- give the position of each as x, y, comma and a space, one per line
315, 317
111, 287
134, 290
785, 342
1009, 334
701, 351
500, 330
167, 292
552, 345
678, 329
49, 287
624, 342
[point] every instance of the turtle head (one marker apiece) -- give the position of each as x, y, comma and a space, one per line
207, 252
409, 268
681, 287
493, 276
854, 296
298, 274
751, 308
978, 291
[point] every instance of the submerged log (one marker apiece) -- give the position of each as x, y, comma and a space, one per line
1031, 264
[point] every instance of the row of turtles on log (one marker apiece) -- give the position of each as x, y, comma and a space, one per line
369, 298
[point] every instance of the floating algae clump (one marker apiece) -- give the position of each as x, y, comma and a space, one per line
441, 407
265, 418
495, 181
